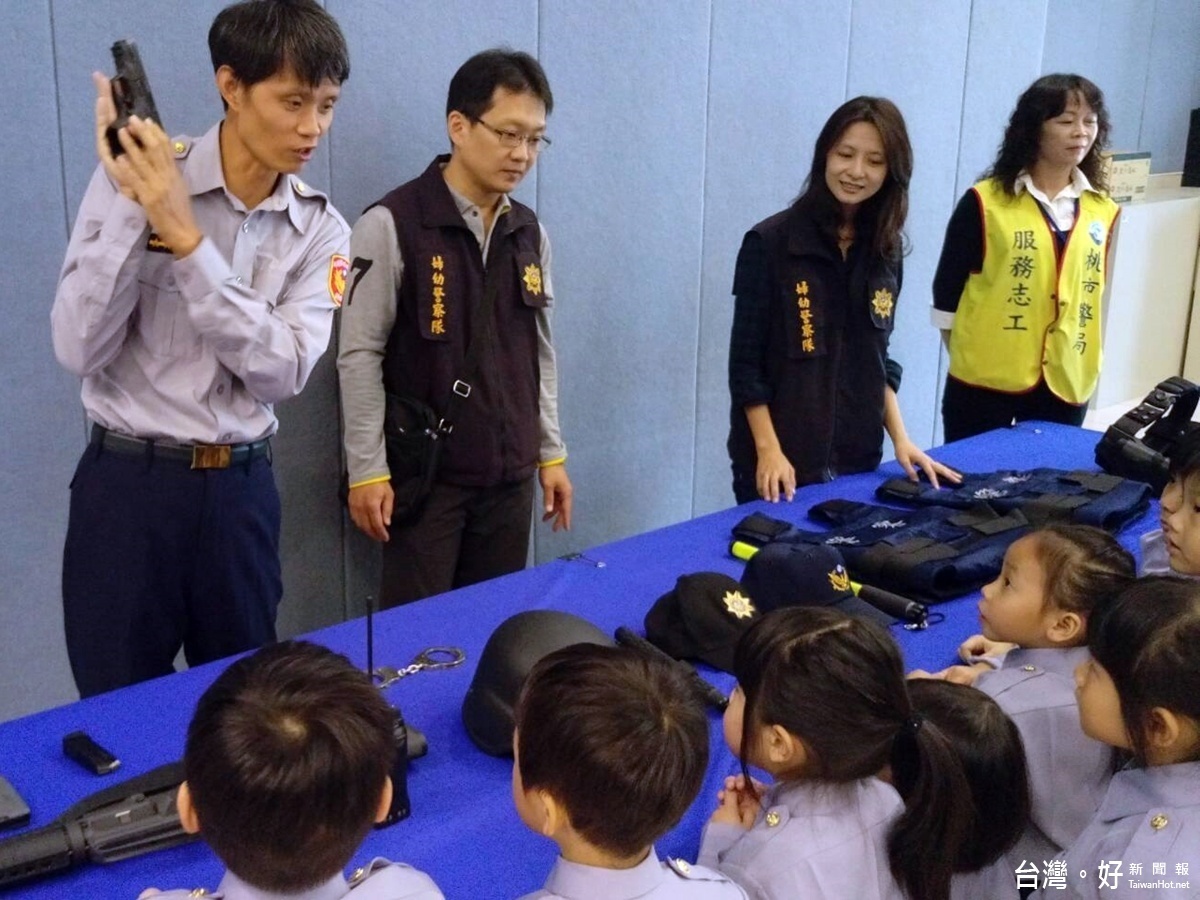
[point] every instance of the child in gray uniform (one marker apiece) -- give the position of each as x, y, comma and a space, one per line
1034, 619
989, 746
1175, 548
609, 751
1140, 693
287, 763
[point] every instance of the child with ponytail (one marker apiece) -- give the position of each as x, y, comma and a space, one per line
822, 706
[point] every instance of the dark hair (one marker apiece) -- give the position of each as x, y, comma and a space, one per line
837, 684
287, 757
1083, 566
476, 80
259, 38
1043, 100
989, 746
1146, 640
1184, 461
618, 738
881, 217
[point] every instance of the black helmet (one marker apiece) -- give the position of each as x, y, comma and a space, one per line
512, 650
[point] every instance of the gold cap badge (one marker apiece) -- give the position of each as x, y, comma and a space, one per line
738, 605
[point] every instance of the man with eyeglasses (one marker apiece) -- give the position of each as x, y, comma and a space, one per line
450, 274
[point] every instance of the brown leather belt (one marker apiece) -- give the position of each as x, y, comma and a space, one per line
197, 456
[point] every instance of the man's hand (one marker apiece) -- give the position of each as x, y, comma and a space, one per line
146, 173
371, 508
775, 477
557, 494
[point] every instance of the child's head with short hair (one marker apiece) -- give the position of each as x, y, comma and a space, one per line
1180, 512
610, 747
993, 757
1049, 583
1140, 691
287, 763
821, 696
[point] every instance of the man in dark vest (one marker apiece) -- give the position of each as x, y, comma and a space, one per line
445, 261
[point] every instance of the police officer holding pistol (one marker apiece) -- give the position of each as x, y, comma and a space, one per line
198, 290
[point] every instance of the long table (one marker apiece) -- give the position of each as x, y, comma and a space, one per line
463, 829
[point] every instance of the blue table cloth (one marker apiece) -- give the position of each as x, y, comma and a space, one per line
463, 829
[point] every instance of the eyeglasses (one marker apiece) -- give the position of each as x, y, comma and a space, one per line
514, 139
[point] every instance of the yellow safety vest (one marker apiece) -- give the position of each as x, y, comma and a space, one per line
1028, 314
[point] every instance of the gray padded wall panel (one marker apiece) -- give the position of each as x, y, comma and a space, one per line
621, 195
40, 421
1110, 44
767, 102
1172, 85
895, 48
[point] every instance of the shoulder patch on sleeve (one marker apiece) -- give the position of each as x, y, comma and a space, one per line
339, 268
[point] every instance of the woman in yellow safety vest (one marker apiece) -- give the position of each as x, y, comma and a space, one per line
1023, 267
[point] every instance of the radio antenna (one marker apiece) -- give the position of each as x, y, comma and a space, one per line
370, 638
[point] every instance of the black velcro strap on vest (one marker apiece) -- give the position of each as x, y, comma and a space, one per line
896, 563
1094, 482
901, 488
984, 519
837, 512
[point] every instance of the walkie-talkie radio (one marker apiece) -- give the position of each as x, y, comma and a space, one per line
400, 807
130, 92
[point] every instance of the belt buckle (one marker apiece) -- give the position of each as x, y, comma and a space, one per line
211, 456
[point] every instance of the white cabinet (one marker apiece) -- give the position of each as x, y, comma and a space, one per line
1146, 321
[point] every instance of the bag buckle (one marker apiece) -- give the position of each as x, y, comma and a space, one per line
211, 456
462, 388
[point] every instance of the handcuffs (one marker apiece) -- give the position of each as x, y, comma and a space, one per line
429, 658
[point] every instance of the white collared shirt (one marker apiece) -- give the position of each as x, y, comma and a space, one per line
1062, 206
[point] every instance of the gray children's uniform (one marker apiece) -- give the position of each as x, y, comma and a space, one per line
812, 840
648, 879
1068, 771
995, 882
381, 880
1144, 842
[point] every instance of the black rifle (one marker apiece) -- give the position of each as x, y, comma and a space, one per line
128, 819
130, 91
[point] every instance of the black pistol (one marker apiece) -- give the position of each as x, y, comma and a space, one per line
131, 92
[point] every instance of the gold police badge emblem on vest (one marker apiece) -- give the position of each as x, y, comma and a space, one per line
883, 303
533, 280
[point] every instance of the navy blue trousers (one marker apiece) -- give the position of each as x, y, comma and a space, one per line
159, 556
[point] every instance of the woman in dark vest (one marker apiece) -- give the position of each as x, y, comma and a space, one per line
811, 383
1024, 265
